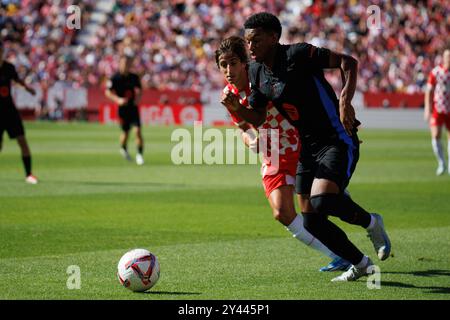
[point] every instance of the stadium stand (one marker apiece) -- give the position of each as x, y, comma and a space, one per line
174, 41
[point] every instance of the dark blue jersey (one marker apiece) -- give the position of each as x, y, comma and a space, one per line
7, 74
297, 87
124, 85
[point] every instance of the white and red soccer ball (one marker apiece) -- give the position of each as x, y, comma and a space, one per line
138, 270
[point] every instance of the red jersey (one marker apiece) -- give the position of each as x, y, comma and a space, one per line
439, 78
289, 140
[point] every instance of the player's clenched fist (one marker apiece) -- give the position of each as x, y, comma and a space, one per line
229, 100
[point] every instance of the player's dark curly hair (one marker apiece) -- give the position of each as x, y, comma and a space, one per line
235, 45
264, 20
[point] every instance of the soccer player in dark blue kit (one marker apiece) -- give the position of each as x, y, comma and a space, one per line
10, 120
124, 88
291, 77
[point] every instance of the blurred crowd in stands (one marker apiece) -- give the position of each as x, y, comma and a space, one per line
174, 41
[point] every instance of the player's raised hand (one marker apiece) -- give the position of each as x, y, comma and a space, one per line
347, 115
229, 100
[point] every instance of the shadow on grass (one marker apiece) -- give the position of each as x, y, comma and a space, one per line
169, 293
424, 273
433, 289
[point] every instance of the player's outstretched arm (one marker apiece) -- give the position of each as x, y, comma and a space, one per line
25, 86
349, 69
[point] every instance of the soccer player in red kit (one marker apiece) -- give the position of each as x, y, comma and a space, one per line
437, 108
278, 176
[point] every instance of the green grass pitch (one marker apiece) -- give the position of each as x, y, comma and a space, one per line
210, 225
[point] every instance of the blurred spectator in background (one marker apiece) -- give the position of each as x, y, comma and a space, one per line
176, 40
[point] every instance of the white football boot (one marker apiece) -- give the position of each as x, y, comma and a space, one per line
441, 169
31, 179
139, 159
355, 273
125, 154
379, 238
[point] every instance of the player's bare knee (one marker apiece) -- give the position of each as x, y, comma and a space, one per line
138, 131
435, 132
321, 186
284, 215
277, 213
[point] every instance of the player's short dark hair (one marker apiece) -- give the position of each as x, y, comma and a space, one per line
264, 20
235, 45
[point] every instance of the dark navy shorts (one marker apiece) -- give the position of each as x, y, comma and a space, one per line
128, 117
335, 162
11, 122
